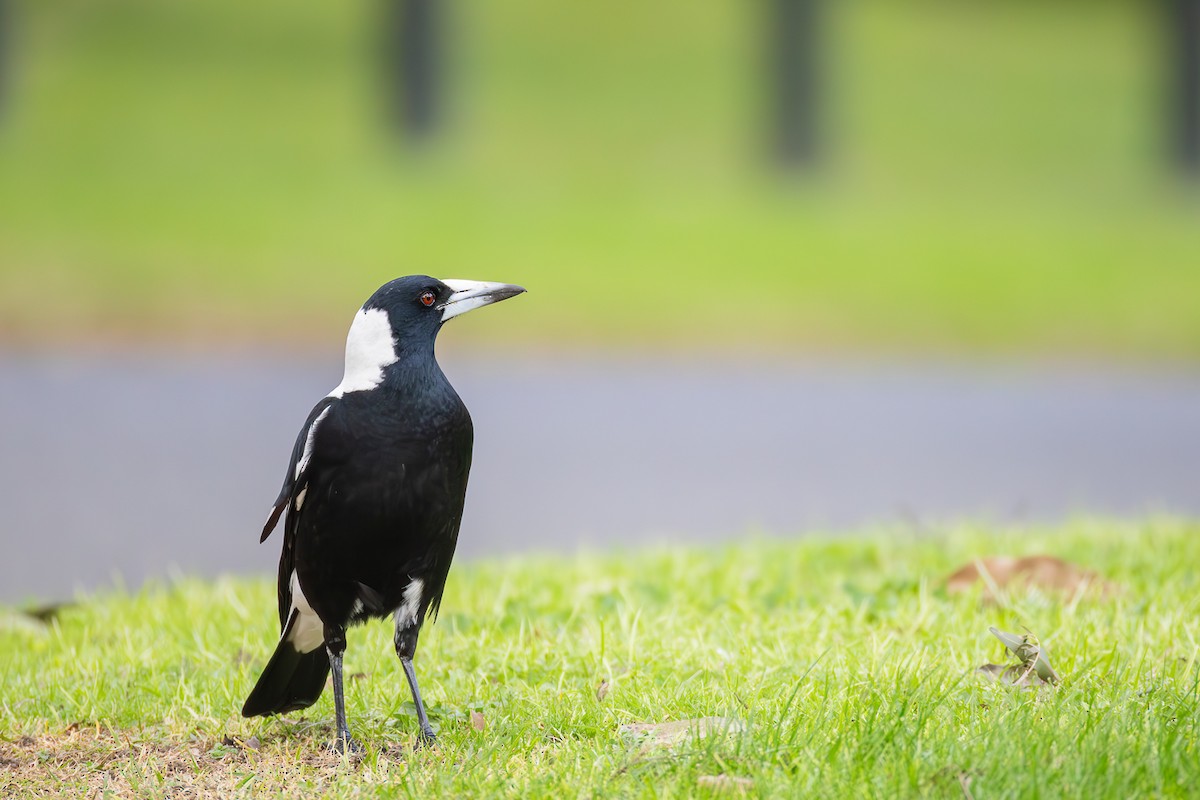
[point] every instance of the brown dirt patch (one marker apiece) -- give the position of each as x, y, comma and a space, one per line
90, 761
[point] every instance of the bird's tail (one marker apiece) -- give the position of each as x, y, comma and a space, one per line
292, 680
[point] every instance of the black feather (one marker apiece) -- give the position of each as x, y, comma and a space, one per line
292, 680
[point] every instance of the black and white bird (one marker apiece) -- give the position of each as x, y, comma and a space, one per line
373, 496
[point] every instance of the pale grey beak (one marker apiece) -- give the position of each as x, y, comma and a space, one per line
469, 295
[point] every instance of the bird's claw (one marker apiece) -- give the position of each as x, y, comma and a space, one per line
344, 745
426, 738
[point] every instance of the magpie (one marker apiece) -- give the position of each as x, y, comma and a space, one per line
372, 498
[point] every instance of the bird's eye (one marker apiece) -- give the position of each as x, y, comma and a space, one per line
428, 299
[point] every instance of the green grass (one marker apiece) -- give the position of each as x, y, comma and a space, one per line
850, 671
994, 178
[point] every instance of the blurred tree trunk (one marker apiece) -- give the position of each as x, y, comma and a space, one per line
6, 39
794, 37
1183, 33
413, 64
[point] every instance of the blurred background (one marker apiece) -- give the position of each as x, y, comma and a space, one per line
793, 265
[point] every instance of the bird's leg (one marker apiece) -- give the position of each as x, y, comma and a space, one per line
335, 645
406, 648
427, 734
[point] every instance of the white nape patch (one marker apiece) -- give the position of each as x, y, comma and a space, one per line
308, 633
406, 615
358, 607
308, 443
370, 347
468, 296
300, 497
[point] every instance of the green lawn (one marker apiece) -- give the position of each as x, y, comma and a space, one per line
993, 179
844, 668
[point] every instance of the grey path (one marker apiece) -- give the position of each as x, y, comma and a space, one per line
135, 465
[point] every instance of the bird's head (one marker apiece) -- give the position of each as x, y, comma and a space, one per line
418, 304
405, 315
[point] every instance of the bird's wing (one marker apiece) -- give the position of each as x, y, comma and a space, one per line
304, 463
296, 479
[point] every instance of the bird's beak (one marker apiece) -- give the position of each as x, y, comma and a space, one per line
469, 295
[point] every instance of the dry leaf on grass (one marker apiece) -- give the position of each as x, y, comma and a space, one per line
1041, 572
602, 691
667, 734
1034, 668
477, 721
723, 782
1015, 674
47, 613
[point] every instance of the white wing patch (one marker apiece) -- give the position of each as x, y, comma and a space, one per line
308, 633
308, 443
406, 615
370, 346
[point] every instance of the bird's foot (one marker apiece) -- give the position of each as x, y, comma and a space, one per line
344, 745
426, 738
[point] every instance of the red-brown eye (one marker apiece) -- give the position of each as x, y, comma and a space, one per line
428, 299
